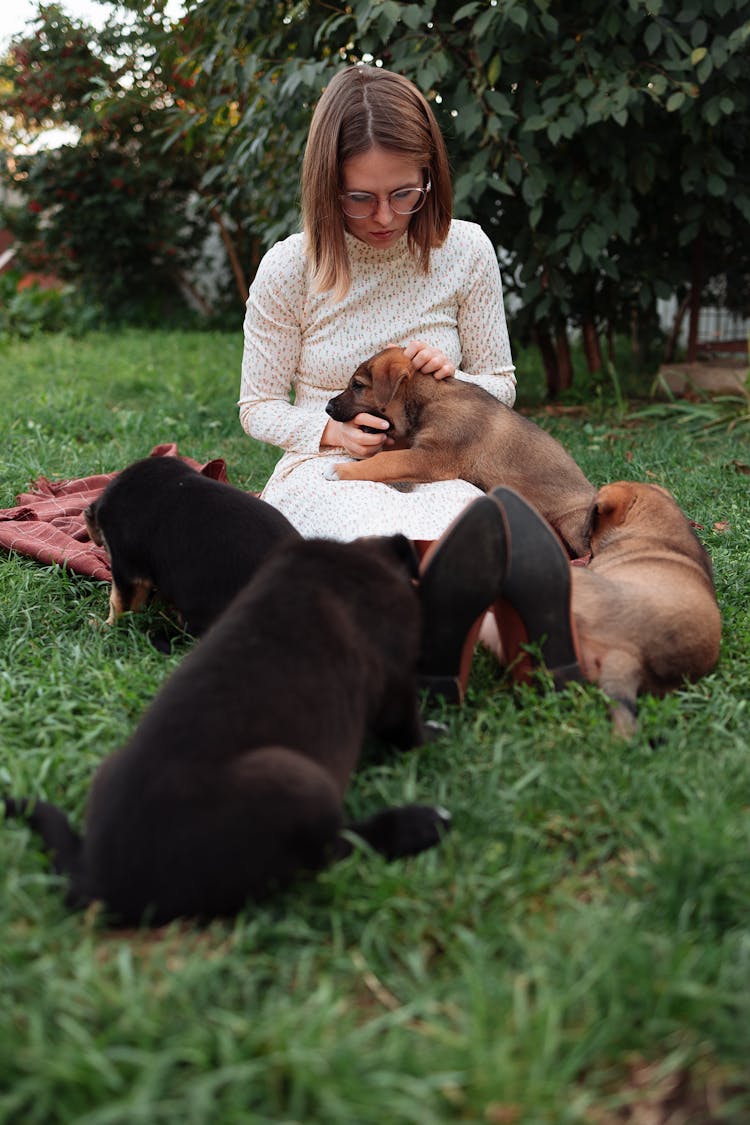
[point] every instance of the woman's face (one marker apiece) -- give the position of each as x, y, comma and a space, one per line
380, 172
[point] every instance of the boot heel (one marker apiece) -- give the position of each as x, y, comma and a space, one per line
534, 607
461, 575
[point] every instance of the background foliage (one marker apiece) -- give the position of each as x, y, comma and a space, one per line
103, 209
604, 154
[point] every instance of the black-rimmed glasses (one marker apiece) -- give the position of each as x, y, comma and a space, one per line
402, 201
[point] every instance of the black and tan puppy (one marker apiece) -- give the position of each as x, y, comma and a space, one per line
197, 541
644, 609
447, 429
233, 782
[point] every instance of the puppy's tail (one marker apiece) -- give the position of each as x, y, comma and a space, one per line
60, 840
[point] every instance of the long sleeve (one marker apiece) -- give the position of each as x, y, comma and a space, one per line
270, 362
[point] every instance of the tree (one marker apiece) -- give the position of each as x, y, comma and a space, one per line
595, 147
603, 151
103, 209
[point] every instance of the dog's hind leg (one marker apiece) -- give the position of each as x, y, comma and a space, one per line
223, 835
399, 831
620, 678
127, 595
279, 817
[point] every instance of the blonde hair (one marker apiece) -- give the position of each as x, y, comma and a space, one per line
364, 107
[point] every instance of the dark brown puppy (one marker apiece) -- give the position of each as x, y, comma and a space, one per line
198, 541
644, 609
447, 429
233, 782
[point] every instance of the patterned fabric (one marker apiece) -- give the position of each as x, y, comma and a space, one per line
300, 343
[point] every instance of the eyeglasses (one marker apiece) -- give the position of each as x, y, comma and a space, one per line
402, 201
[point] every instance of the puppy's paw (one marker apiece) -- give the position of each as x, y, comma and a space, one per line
404, 830
331, 473
433, 730
419, 827
624, 716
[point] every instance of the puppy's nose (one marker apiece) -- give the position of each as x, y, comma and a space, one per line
331, 407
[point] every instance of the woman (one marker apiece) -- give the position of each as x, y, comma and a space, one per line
381, 261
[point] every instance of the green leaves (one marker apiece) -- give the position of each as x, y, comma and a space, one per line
652, 37
580, 141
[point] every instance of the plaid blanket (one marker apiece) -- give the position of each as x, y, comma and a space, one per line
48, 525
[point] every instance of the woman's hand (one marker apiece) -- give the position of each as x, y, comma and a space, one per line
351, 437
429, 360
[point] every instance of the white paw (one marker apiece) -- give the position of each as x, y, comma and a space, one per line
434, 729
330, 473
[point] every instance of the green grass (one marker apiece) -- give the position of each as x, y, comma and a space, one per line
587, 919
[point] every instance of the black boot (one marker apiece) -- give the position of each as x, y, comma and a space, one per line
534, 606
461, 576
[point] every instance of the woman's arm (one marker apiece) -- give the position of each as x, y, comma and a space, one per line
270, 361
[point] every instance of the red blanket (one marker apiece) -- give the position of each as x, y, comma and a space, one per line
48, 522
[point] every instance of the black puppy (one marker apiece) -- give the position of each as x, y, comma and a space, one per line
233, 781
198, 541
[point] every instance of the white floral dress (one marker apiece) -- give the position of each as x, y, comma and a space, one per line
298, 343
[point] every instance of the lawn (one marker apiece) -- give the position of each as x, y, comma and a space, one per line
576, 951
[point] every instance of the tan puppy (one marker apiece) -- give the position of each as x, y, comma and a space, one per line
644, 609
448, 429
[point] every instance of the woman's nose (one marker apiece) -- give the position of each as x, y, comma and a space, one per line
384, 212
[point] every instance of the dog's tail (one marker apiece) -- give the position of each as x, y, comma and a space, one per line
60, 840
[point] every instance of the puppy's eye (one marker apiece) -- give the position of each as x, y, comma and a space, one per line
357, 384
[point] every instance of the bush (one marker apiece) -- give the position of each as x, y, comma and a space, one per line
25, 312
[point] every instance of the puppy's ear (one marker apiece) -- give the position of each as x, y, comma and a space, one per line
387, 377
90, 517
396, 548
406, 554
612, 504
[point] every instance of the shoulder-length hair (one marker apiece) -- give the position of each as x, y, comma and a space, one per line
364, 107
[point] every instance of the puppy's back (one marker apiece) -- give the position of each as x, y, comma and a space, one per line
197, 540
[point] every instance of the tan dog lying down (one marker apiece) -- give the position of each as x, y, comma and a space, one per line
644, 609
448, 429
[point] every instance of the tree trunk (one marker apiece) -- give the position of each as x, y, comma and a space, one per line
696, 285
591, 348
549, 360
564, 362
635, 338
239, 277
679, 316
